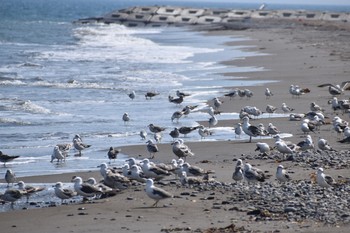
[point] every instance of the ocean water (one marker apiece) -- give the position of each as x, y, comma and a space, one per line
58, 79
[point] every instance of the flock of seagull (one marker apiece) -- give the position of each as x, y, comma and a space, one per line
147, 172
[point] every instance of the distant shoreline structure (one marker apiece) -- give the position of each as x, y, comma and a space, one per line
159, 16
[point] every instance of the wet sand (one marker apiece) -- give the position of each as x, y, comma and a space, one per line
304, 55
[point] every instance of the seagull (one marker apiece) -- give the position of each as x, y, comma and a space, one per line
253, 174
132, 95
241, 93
271, 109
324, 180
152, 171
113, 179
137, 174
263, 148
195, 170
113, 153
213, 121
178, 100
7, 158
186, 130
268, 93
181, 94
126, 118
248, 93
181, 150
65, 148
337, 89
217, 103
188, 109
10, 177
306, 144
177, 115
281, 174
12, 195
85, 189
213, 112
155, 129
57, 154
157, 137
152, 148
143, 134
238, 172
232, 94
283, 148
150, 94
296, 91
190, 180
296, 117
307, 126
238, 130
29, 190
315, 107
250, 130
174, 133
79, 145
323, 145
286, 109
204, 132
272, 130
156, 193
63, 193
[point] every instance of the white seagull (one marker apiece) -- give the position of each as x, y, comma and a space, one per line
85, 189
323, 180
181, 150
29, 190
281, 174
238, 130
263, 148
253, 174
10, 177
238, 172
268, 93
156, 193
63, 193
152, 148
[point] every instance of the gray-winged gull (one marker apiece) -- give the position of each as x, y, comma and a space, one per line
237, 174
10, 177
63, 193
250, 130
281, 174
152, 148
7, 158
253, 175
156, 193
181, 150
268, 93
324, 180
29, 190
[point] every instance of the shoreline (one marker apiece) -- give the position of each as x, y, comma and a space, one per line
297, 57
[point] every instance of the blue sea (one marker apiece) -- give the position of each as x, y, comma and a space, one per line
58, 79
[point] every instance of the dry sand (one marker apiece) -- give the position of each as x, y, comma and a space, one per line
306, 55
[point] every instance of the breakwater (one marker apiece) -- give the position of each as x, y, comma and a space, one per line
157, 16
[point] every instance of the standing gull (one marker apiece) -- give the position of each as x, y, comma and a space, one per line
177, 115
57, 154
213, 121
238, 130
78, 144
113, 153
268, 93
63, 193
323, 145
250, 130
271, 109
132, 95
281, 174
181, 94
238, 172
187, 129
10, 177
156, 193
155, 129
181, 150
272, 130
152, 148
306, 144
204, 132
174, 133
126, 118
151, 94
143, 134
217, 103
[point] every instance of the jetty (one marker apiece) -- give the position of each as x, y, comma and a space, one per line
160, 16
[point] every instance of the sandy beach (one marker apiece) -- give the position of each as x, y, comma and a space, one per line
298, 53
